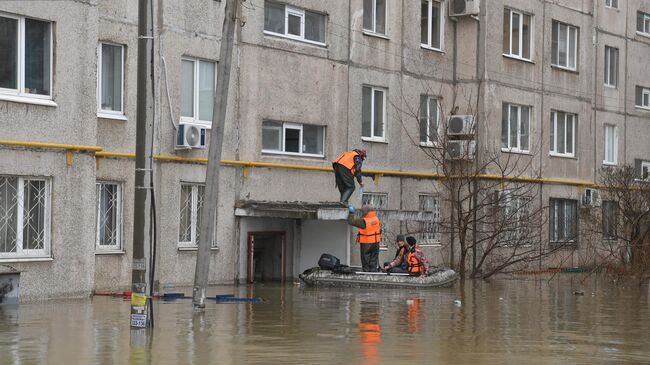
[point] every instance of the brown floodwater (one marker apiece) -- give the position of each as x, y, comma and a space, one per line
505, 321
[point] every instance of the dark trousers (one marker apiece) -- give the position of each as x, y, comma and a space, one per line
344, 181
369, 256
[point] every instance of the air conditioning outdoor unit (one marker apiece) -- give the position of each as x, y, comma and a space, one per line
460, 125
461, 150
590, 198
190, 136
464, 7
501, 198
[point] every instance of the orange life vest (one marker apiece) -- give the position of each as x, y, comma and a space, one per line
415, 266
372, 232
347, 159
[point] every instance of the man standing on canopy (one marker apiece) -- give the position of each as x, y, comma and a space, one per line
347, 166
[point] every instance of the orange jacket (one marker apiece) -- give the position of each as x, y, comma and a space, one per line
347, 159
372, 232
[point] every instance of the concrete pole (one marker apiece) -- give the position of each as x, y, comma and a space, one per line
143, 166
211, 199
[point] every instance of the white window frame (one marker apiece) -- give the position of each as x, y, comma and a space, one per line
195, 105
118, 246
568, 46
292, 10
373, 31
298, 126
436, 240
646, 25
519, 108
611, 80
16, 94
372, 137
441, 31
193, 216
514, 208
553, 148
21, 253
645, 165
609, 128
612, 4
521, 36
555, 220
645, 96
607, 221
104, 113
429, 142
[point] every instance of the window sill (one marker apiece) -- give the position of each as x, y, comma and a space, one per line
519, 152
376, 140
110, 252
613, 87
517, 58
642, 34
27, 259
430, 244
370, 33
429, 145
292, 154
111, 116
572, 157
566, 69
429, 48
297, 39
27, 100
645, 108
607, 163
205, 124
196, 248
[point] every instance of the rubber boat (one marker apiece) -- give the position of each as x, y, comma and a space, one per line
440, 277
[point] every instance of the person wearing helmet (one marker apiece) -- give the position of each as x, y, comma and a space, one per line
347, 166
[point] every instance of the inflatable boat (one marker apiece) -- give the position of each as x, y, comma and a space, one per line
440, 277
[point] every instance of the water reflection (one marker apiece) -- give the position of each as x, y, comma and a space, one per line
507, 321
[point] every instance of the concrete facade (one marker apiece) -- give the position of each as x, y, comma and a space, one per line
281, 79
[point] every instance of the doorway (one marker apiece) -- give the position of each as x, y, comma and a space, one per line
266, 257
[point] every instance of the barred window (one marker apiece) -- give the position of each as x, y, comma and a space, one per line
610, 219
24, 217
516, 219
563, 226
431, 229
190, 214
109, 216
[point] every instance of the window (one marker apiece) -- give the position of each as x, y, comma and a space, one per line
643, 23
515, 127
611, 4
190, 215
429, 120
295, 23
431, 24
642, 97
611, 66
110, 79
516, 220
373, 113
25, 57
610, 219
564, 46
610, 145
563, 220
563, 126
293, 138
516, 34
197, 91
644, 169
374, 16
109, 216
377, 201
24, 217
431, 229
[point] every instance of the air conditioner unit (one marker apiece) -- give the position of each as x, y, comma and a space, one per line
460, 125
501, 198
461, 150
190, 136
464, 7
591, 198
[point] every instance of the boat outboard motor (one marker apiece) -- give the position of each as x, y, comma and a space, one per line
328, 262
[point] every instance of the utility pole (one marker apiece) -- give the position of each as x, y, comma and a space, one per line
210, 201
143, 167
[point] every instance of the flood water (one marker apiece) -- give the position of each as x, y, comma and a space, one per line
506, 321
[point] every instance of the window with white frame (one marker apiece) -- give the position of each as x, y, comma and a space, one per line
375, 13
644, 167
295, 23
563, 220
373, 113
563, 127
564, 45
430, 230
110, 80
611, 4
515, 127
611, 66
25, 56
429, 120
643, 23
191, 203
24, 217
109, 216
197, 91
431, 23
517, 34
610, 219
642, 99
610, 145
516, 220
292, 138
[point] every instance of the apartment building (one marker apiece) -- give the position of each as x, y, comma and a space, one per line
562, 84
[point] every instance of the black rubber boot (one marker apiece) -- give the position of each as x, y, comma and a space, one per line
345, 196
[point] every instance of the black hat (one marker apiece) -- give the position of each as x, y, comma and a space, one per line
399, 238
411, 240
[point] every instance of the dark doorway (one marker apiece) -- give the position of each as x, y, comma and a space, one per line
266, 257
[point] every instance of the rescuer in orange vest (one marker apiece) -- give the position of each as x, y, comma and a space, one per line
347, 166
368, 237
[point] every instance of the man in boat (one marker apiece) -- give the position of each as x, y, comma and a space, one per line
368, 237
347, 166
398, 265
417, 263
